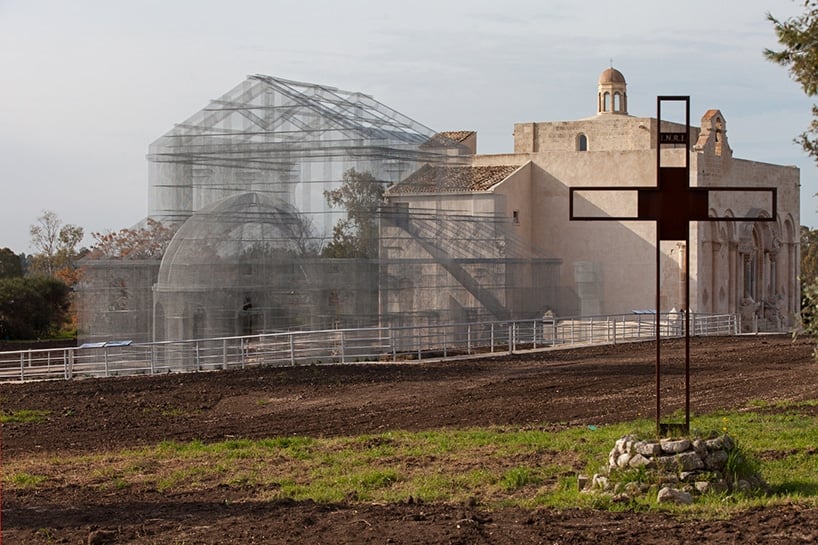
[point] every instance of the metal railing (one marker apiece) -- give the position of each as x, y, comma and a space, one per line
376, 344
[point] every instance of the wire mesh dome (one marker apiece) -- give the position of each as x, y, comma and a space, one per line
236, 267
248, 230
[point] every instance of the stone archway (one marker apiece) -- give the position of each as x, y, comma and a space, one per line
763, 269
717, 278
792, 274
749, 252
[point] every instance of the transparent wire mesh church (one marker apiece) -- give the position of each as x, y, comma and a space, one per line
460, 237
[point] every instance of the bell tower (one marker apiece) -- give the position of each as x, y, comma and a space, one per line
612, 96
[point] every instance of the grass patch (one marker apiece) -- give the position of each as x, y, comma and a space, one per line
23, 416
497, 466
25, 480
519, 477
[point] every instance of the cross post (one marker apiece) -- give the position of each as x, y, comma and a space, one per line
672, 204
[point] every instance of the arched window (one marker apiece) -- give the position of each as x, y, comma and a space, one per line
606, 102
719, 135
617, 102
582, 143
754, 268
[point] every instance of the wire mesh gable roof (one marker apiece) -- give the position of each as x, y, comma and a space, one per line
452, 179
267, 122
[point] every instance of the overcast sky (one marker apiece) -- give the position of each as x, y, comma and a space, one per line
86, 85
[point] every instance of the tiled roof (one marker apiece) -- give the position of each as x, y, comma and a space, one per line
447, 139
438, 179
457, 136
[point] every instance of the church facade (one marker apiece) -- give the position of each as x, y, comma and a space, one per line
746, 267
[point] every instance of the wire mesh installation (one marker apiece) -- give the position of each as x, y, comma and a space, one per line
289, 204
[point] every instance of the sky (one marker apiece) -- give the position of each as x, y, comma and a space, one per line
87, 85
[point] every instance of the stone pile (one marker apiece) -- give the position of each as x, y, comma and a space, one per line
679, 468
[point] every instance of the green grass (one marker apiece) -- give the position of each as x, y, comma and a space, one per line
24, 480
496, 466
23, 415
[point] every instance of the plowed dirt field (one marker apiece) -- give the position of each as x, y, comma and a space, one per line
552, 390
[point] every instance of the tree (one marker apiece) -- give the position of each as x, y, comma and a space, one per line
56, 244
11, 264
149, 241
799, 38
44, 236
32, 307
360, 194
809, 278
809, 255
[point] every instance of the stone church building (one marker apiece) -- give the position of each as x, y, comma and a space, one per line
462, 236
750, 268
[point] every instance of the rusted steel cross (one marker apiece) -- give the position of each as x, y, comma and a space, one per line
673, 204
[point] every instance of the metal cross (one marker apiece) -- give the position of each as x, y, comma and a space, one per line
673, 204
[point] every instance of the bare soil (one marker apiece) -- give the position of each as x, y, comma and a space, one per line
551, 389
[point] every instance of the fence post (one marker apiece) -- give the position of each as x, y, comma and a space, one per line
22, 367
198, 360
468, 339
511, 338
614, 330
343, 344
107, 371
393, 342
445, 352
224, 353
292, 350
492, 337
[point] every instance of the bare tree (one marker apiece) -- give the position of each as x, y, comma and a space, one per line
55, 244
44, 238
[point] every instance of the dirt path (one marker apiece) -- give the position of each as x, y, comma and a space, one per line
561, 388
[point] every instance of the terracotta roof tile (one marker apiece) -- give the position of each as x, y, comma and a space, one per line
457, 136
438, 179
447, 139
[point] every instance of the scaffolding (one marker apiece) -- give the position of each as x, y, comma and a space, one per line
245, 184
